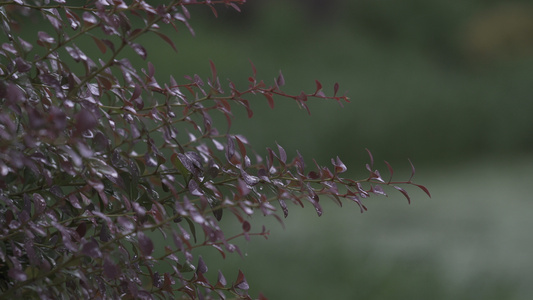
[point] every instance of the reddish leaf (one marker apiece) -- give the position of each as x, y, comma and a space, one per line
412, 171
213, 70
242, 148
241, 282
269, 99
335, 89
246, 226
423, 188
167, 40
404, 192
371, 158
318, 86
254, 70
391, 171
339, 165
221, 282
101, 45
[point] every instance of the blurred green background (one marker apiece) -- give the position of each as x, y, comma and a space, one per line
444, 83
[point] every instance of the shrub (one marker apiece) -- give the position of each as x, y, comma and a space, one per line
98, 157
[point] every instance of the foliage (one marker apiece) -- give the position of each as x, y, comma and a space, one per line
97, 157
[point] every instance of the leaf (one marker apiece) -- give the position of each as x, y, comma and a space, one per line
371, 158
412, 171
282, 154
404, 192
391, 170
145, 244
191, 228
335, 89
167, 40
194, 188
423, 188
213, 70
177, 162
91, 249
202, 267
242, 148
241, 282
89, 18
283, 207
249, 179
339, 165
318, 87
111, 270
221, 282
280, 81
100, 44
270, 100
139, 49
246, 226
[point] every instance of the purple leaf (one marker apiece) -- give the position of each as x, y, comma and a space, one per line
44, 38
241, 282
202, 267
139, 49
269, 99
194, 188
412, 171
39, 203
283, 207
85, 120
111, 270
89, 18
92, 249
167, 40
145, 244
249, 179
221, 282
17, 274
282, 154
423, 188
54, 18
371, 159
339, 165
280, 81
391, 170
246, 226
404, 192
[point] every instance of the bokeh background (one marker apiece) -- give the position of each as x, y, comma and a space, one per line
447, 84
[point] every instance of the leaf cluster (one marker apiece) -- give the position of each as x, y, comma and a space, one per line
98, 156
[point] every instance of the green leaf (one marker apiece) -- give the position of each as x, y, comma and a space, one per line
192, 228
